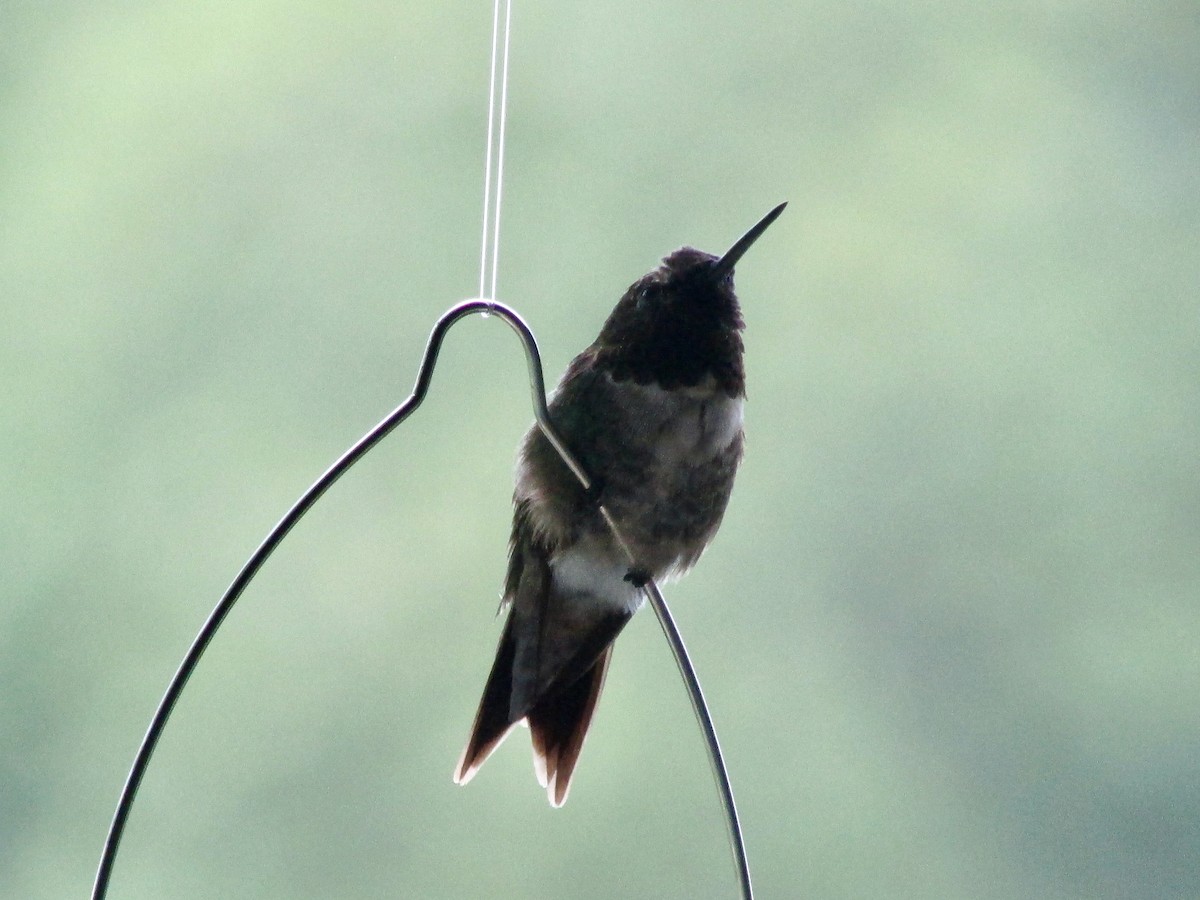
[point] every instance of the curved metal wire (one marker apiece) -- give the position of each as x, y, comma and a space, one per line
424, 377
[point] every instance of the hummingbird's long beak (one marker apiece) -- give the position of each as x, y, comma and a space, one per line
725, 264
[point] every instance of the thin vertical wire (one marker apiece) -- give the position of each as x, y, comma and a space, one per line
493, 172
494, 293
487, 164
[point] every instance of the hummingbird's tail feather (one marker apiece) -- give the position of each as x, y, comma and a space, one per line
492, 721
553, 654
558, 726
555, 694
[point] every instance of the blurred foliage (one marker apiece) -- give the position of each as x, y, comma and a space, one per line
950, 630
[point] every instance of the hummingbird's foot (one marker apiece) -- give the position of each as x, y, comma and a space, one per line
637, 577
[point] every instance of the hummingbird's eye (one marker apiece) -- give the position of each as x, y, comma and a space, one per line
646, 295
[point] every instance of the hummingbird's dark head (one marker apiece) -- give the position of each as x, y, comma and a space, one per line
679, 326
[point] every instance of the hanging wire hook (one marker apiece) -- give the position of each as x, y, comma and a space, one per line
424, 377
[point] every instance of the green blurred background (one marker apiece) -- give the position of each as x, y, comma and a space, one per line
950, 629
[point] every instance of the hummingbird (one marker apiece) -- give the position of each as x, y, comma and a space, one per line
652, 410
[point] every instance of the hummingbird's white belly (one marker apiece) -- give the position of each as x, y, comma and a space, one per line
592, 573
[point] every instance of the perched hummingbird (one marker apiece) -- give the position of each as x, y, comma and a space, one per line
653, 412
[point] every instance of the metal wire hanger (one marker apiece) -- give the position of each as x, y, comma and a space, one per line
487, 305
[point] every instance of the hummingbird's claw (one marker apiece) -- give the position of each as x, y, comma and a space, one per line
637, 577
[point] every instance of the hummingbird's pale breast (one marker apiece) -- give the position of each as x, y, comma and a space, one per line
693, 425
664, 461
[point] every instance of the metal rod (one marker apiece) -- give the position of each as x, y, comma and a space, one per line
252, 566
